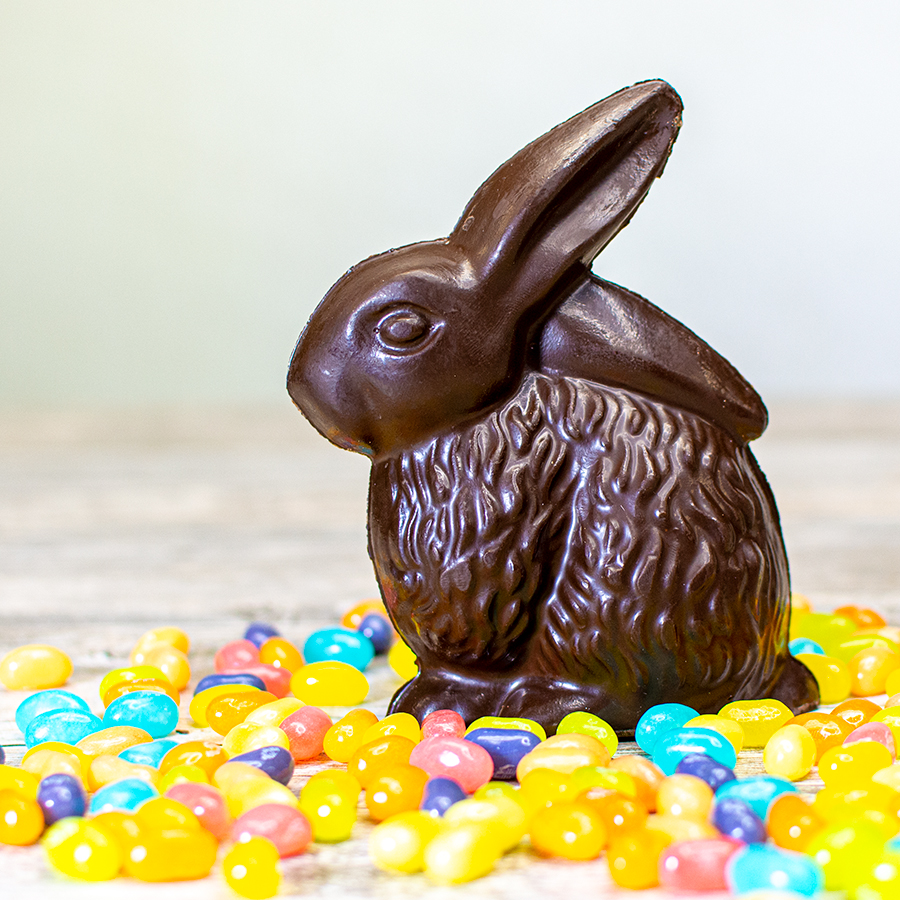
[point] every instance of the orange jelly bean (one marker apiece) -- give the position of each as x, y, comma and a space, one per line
230, 709
827, 730
862, 616
870, 668
370, 759
208, 755
856, 711
280, 653
354, 616
618, 813
647, 775
141, 684
633, 858
395, 789
792, 822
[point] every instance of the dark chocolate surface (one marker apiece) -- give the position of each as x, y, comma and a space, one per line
563, 511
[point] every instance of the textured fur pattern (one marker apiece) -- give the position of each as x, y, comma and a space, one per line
590, 532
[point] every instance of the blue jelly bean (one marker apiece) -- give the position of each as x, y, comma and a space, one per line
46, 701
378, 630
440, 794
506, 747
259, 632
2, 756
149, 754
155, 712
706, 769
736, 820
68, 726
758, 791
759, 867
676, 743
659, 719
60, 796
340, 644
126, 795
805, 645
209, 681
276, 762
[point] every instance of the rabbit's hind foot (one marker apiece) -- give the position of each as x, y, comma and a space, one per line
796, 687
470, 696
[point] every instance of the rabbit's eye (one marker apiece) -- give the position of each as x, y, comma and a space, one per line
402, 327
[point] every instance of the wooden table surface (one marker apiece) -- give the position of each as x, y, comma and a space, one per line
115, 522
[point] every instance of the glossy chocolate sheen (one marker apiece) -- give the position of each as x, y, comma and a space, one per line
564, 513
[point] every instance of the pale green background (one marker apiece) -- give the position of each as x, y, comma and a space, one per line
180, 182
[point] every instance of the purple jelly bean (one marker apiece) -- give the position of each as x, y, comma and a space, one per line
61, 796
735, 819
706, 769
276, 762
259, 632
378, 630
506, 746
440, 794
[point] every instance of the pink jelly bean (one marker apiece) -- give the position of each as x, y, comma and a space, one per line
873, 731
206, 803
445, 756
235, 655
287, 828
443, 722
305, 730
276, 679
696, 865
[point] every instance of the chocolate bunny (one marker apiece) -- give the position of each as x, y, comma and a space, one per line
563, 510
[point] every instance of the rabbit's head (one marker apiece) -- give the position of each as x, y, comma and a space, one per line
417, 340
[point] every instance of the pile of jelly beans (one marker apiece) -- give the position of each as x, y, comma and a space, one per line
130, 791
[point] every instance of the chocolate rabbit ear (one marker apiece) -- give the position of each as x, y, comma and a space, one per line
562, 198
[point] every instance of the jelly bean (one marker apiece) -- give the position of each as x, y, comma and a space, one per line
55, 762
758, 791
243, 738
354, 616
862, 616
619, 814
825, 629
276, 762
369, 759
892, 683
804, 645
633, 858
280, 653
760, 867
680, 828
162, 813
168, 636
790, 752
274, 713
344, 738
176, 855
21, 819
659, 719
287, 828
141, 684
598, 780
127, 794
842, 849
459, 854
826, 730
377, 628
504, 820
120, 826
68, 726
728, 728
505, 746
259, 632
171, 662
543, 787
340, 645
236, 655
843, 768
60, 796
277, 681
800, 604
876, 802
207, 803
846, 650
208, 755
148, 754
329, 803
46, 701
856, 712
564, 753
890, 716
685, 796
395, 789
873, 731
83, 849
443, 722
647, 775
792, 822
881, 880
127, 674
401, 724
736, 819
181, 775
870, 668
569, 830
588, 723
157, 714
705, 768
440, 794
513, 723
232, 708
34, 667
450, 757
403, 661
105, 769
251, 868
329, 683
245, 795
305, 730
889, 776
833, 676
201, 702
696, 865
398, 845
112, 740
19, 781
229, 678
759, 719
676, 743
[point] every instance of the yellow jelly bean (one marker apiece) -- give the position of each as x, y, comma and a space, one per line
128, 673
245, 795
243, 738
113, 740
827, 630
398, 845
200, 702
832, 674
329, 800
543, 787
889, 777
588, 723
403, 661
19, 780
790, 753
845, 768
603, 779
680, 828
180, 775
172, 663
83, 849
329, 683
685, 796
345, 736
461, 853
251, 868
274, 713
107, 769
892, 684
729, 728
504, 819
870, 668
800, 604
564, 753
890, 716
54, 762
515, 724
759, 719
34, 667
167, 636
401, 724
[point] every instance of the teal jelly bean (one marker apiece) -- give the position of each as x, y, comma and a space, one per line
759, 792
659, 719
126, 795
805, 645
155, 712
341, 645
68, 726
149, 754
46, 701
673, 745
760, 867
